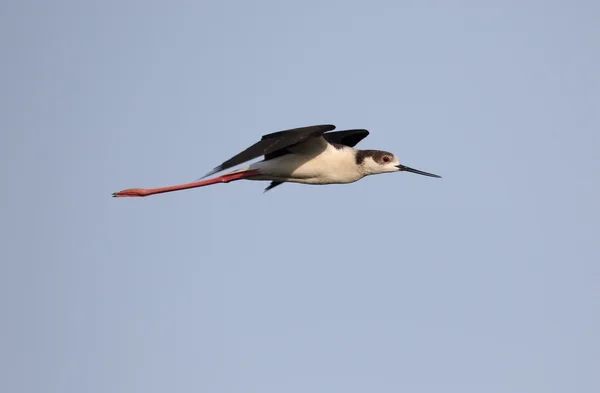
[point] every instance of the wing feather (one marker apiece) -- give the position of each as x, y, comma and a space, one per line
273, 185
347, 137
271, 143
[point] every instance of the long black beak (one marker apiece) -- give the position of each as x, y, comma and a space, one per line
408, 169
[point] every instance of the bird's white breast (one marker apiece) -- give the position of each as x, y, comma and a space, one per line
329, 166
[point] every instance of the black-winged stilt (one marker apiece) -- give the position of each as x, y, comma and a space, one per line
307, 155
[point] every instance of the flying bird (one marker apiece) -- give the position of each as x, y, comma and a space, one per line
307, 155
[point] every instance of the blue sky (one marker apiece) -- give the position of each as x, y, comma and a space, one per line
485, 280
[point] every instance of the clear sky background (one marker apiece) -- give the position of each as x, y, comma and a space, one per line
487, 280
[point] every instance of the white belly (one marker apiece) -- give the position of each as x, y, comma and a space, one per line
331, 166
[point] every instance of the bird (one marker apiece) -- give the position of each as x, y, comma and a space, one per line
308, 155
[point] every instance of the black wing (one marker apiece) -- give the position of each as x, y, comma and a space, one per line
347, 137
273, 185
271, 143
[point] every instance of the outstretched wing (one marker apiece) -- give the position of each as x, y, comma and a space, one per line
271, 143
338, 138
347, 138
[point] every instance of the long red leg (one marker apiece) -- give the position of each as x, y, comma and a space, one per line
143, 192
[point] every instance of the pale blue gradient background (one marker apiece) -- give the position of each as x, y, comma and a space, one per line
484, 281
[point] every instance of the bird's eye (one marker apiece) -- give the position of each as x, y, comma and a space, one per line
386, 159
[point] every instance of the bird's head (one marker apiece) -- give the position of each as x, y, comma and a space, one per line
373, 162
